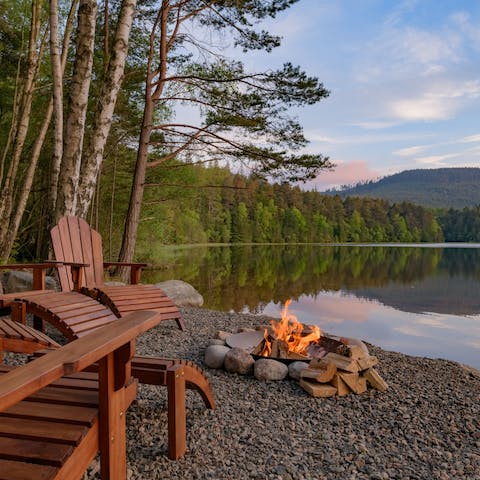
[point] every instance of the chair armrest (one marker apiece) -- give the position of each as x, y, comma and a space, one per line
75, 357
135, 269
38, 269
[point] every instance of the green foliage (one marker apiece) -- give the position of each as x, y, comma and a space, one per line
183, 204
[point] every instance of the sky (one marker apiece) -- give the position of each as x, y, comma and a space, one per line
404, 81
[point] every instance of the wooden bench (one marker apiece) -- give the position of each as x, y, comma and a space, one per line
75, 414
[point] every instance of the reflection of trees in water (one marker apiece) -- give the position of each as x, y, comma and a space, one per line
234, 277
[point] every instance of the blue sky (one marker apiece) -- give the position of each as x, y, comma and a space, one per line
404, 78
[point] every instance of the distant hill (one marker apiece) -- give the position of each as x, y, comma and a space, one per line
441, 187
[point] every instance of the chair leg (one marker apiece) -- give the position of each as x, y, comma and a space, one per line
177, 433
180, 323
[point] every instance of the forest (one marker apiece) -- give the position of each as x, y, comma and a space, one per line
91, 95
83, 81
186, 204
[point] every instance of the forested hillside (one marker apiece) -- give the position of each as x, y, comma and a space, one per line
193, 204
441, 188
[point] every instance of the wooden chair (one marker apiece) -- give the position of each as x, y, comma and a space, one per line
77, 315
75, 242
54, 418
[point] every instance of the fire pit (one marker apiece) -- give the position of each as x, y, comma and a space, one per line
326, 365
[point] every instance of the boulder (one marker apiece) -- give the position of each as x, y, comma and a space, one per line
295, 368
268, 369
238, 360
216, 341
21, 281
215, 356
182, 293
221, 335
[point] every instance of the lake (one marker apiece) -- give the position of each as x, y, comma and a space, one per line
419, 300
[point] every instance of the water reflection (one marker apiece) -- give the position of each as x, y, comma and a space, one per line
422, 301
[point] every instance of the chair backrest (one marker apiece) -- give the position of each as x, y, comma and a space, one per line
73, 240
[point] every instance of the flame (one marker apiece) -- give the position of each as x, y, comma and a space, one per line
290, 331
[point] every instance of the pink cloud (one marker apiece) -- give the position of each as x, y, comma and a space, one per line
344, 173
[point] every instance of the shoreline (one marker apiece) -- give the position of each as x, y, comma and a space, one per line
424, 427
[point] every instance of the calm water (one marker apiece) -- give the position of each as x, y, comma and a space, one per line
420, 301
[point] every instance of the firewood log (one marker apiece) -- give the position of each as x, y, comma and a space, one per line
321, 372
375, 380
318, 389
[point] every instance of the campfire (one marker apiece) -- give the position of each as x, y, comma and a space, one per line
325, 365
288, 338
328, 365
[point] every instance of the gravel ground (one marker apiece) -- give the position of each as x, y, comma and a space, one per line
426, 426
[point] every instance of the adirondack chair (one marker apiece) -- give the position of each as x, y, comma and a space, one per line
74, 241
77, 315
55, 418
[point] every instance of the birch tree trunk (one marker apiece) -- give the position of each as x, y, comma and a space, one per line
57, 95
37, 148
21, 129
93, 158
77, 110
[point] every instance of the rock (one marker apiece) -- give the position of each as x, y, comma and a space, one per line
268, 369
245, 330
20, 281
295, 368
216, 341
215, 356
182, 293
221, 335
238, 360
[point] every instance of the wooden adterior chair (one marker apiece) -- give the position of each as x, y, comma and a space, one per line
54, 418
77, 315
73, 240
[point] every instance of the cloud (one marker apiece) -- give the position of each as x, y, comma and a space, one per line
470, 139
437, 160
345, 173
409, 151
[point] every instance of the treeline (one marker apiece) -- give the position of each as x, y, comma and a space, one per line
460, 225
192, 204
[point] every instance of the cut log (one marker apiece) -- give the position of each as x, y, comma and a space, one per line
322, 371
353, 351
357, 383
274, 349
343, 363
375, 380
297, 356
368, 362
318, 389
340, 385
282, 349
258, 349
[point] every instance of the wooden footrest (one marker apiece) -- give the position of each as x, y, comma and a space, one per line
19, 338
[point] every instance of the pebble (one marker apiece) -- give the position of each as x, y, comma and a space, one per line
288, 434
